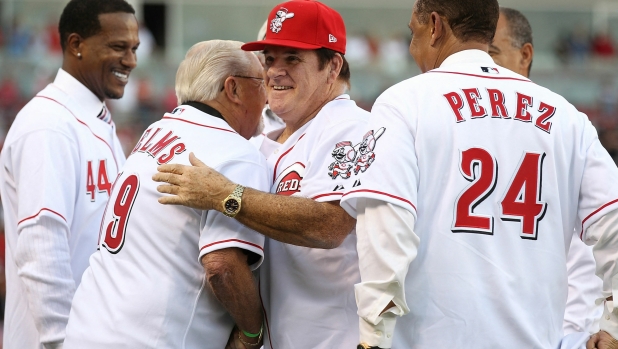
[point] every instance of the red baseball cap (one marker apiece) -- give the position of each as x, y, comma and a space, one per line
304, 24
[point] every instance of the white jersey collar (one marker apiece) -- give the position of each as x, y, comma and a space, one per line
468, 57
275, 133
199, 117
79, 93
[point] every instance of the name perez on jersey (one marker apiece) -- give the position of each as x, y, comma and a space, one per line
157, 142
497, 106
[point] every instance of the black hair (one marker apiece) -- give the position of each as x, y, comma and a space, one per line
519, 28
470, 20
82, 17
325, 55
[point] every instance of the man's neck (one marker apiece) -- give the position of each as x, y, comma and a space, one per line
226, 112
74, 72
455, 46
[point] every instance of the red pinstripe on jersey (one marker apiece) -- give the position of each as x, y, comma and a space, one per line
83, 123
480, 76
38, 213
284, 154
581, 235
195, 123
328, 194
232, 240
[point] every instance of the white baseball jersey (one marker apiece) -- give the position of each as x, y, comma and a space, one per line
307, 293
498, 171
271, 122
58, 165
582, 314
146, 287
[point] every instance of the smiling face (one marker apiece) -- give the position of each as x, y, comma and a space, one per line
108, 57
295, 86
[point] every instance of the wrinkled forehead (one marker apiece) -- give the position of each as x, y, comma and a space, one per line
281, 50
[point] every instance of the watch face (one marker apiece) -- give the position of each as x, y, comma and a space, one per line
231, 205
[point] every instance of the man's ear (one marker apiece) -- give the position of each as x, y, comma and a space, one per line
438, 28
335, 66
230, 88
75, 45
527, 52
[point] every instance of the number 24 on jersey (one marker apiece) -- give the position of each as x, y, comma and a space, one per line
520, 203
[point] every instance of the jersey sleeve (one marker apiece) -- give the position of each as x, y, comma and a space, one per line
45, 168
392, 174
218, 231
331, 163
582, 314
599, 185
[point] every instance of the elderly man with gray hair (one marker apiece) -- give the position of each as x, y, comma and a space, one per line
172, 276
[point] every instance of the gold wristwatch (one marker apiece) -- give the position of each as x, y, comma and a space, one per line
232, 203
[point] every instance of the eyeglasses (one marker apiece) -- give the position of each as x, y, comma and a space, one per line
248, 77
261, 80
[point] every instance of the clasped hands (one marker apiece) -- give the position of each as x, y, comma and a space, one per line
201, 187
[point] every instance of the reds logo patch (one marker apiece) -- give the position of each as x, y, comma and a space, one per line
356, 158
288, 182
277, 23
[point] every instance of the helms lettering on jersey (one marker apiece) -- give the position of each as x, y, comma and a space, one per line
154, 146
176, 149
148, 143
139, 143
497, 105
289, 180
102, 183
354, 158
161, 144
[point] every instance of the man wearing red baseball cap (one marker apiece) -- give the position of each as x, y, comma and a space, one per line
311, 265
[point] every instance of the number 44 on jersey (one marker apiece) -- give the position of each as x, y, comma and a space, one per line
520, 203
102, 183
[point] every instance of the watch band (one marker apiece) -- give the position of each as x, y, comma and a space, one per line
235, 196
366, 346
237, 193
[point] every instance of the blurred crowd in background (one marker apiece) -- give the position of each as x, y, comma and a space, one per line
30, 57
